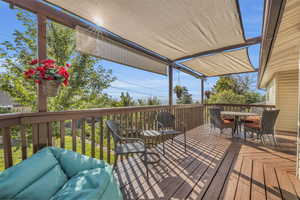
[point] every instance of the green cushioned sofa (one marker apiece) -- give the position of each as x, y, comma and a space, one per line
59, 174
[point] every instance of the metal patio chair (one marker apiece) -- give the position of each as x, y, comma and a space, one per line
126, 145
265, 126
166, 125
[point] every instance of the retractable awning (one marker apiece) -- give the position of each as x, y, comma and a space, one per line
92, 43
230, 62
172, 29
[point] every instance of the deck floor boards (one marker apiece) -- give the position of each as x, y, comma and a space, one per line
214, 167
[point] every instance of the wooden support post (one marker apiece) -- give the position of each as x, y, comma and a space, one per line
42, 54
170, 85
43, 139
202, 91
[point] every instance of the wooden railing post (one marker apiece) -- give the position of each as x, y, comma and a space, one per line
7, 147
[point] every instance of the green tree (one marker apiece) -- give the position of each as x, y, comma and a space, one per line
234, 89
126, 100
225, 83
227, 96
254, 97
153, 101
87, 77
141, 102
148, 101
183, 95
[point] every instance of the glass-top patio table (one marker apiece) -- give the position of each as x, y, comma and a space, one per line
237, 118
152, 138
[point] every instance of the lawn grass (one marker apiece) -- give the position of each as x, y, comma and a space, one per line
17, 154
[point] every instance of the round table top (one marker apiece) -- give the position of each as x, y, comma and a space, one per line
235, 113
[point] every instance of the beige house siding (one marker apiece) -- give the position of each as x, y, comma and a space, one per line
271, 92
287, 100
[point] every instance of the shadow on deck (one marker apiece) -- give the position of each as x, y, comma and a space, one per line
214, 167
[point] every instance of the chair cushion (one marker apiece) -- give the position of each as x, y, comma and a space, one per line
252, 125
252, 119
91, 184
40, 169
226, 121
130, 147
228, 118
72, 162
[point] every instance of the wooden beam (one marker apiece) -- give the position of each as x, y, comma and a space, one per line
248, 42
170, 85
272, 17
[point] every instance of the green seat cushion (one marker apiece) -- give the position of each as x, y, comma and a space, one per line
19, 179
73, 163
94, 184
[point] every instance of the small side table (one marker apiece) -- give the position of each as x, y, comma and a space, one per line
152, 138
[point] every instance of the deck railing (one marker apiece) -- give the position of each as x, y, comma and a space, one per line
83, 131
233, 107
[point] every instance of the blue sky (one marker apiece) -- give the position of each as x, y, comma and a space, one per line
141, 84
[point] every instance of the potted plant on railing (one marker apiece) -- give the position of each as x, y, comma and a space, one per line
49, 74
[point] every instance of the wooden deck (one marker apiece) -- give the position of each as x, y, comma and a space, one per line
215, 167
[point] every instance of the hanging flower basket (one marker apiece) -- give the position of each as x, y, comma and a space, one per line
50, 75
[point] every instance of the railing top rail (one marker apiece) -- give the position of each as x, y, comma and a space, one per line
39, 117
244, 105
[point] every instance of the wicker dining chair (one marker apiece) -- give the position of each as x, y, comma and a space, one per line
265, 126
254, 119
126, 145
220, 123
166, 125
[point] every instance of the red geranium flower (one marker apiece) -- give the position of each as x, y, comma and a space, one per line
66, 82
33, 62
42, 75
48, 62
29, 73
62, 71
41, 69
48, 70
49, 78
